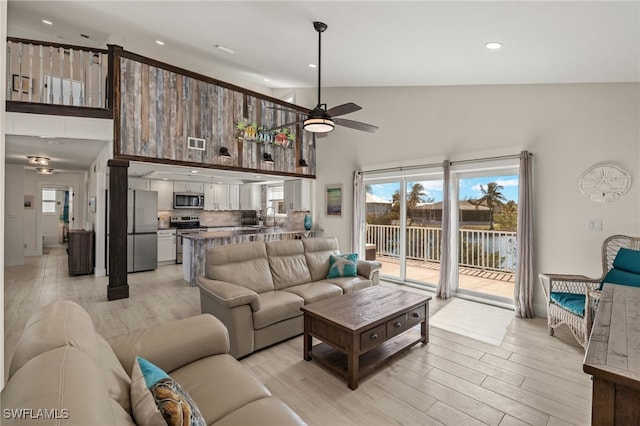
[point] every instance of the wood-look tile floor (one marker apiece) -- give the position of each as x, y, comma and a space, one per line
531, 378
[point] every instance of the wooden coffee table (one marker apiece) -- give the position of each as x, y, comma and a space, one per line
362, 330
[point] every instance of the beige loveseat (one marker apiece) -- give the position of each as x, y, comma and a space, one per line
256, 289
63, 372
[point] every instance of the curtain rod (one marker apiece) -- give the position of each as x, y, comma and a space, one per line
421, 166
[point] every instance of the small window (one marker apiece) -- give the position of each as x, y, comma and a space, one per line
275, 199
48, 201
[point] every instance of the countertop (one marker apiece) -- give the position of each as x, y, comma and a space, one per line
205, 235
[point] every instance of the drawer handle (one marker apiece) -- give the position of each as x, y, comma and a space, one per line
397, 325
415, 315
374, 336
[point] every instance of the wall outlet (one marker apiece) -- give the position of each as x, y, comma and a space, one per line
594, 225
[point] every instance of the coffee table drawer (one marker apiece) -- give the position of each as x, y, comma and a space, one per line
416, 315
396, 326
372, 337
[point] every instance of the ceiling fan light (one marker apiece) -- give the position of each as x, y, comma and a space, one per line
318, 125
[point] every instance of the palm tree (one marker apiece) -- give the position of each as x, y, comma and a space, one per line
492, 197
416, 196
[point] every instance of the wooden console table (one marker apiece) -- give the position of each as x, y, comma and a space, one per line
363, 329
613, 357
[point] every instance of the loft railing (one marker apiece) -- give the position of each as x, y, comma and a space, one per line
56, 74
487, 250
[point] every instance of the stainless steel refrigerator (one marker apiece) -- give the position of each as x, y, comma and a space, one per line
142, 227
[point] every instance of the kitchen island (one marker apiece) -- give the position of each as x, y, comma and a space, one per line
195, 246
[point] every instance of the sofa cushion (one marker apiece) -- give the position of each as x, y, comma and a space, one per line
315, 291
219, 385
157, 398
343, 265
627, 260
244, 264
288, 263
55, 325
317, 252
572, 302
263, 412
349, 284
69, 383
276, 306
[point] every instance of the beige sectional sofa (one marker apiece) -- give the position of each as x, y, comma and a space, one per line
256, 289
63, 372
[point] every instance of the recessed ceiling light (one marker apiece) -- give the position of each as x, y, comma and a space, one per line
44, 21
265, 79
161, 43
493, 45
194, 171
42, 161
224, 49
313, 66
44, 170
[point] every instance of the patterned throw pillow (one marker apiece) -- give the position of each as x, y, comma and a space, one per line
343, 265
157, 399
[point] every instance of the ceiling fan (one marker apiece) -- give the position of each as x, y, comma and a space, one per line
322, 120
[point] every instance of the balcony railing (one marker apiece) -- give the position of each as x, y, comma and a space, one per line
487, 250
56, 74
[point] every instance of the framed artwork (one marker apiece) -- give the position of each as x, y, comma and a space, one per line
21, 83
334, 200
28, 201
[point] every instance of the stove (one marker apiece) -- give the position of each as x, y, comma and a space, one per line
184, 225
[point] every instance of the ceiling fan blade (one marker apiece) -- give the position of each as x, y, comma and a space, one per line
355, 125
344, 109
282, 126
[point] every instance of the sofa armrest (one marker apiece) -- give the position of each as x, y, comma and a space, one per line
367, 268
229, 295
173, 345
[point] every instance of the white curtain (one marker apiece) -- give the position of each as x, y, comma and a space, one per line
444, 284
357, 234
523, 289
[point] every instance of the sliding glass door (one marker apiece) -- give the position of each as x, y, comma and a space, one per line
487, 217
403, 226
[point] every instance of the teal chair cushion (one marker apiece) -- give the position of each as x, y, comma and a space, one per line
618, 276
627, 260
572, 302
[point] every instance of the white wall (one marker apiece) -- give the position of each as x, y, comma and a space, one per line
3, 92
14, 215
97, 186
568, 127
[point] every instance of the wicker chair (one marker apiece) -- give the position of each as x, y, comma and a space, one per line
580, 325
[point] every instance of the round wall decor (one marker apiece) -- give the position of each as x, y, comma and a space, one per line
604, 183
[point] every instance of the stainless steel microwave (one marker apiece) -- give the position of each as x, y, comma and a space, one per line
188, 200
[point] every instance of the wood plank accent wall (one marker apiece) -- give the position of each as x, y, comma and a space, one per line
161, 106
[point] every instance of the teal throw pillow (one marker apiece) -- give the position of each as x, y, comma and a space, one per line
627, 260
343, 265
156, 398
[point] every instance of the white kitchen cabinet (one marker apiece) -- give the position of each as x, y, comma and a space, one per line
184, 186
250, 197
165, 193
297, 194
234, 197
216, 196
166, 245
138, 184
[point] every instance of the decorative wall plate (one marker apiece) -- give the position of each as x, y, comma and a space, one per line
604, 183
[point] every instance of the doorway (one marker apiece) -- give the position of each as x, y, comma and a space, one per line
56, 210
